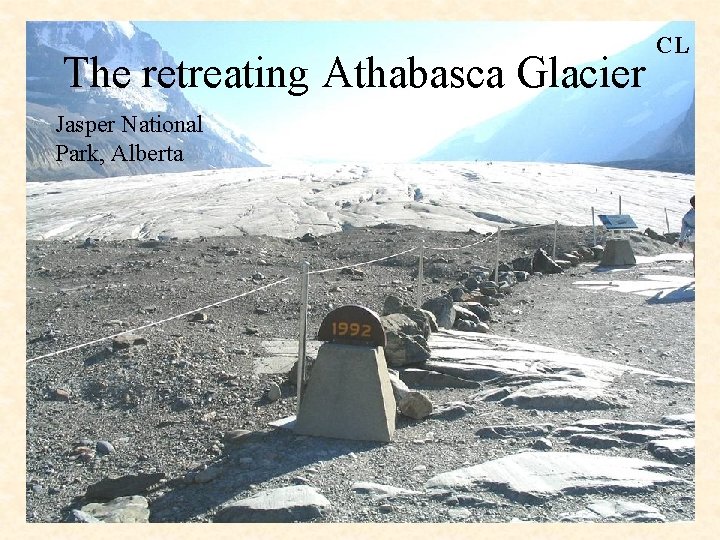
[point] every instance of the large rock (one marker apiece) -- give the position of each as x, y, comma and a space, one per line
434, 379
513, 430
477, 308
406, 344
616, 510
424, 319
411, 403
121, 510
111, 488
533, 477
282, 505
541, 262
443, 308
674, 450
563, 396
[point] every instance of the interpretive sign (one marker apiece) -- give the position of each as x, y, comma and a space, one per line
352, 325
616, 222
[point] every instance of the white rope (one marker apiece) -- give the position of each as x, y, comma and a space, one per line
156, 323
362, 263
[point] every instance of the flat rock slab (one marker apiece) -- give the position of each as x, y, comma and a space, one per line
645, 435
382, 491
509, 430
662, 288
581, 395
617, 510
281, 505
686, 420
421, 377
533, 477
674, 450
281, 355
121, 510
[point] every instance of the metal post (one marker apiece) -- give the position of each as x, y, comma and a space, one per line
619, 204
593, 221
497, 258
555, 239
421, 276
667, 221
302, 338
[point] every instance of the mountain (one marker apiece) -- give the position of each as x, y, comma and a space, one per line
596, 125
49, 95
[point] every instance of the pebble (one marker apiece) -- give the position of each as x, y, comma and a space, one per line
104, 448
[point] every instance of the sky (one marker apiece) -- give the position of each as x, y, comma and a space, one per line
375, 124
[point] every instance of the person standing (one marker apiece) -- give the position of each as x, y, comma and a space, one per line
687, 230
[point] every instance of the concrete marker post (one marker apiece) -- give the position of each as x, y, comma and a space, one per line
302, 338
497, 258
421, 277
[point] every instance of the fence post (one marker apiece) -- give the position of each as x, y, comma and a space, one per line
302, 338
555, 239
421, 276
497, 258
667, 221
619, 204
592, 208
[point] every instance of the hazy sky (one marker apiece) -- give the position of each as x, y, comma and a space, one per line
375, 124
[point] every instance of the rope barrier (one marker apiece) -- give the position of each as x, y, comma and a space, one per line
156, 323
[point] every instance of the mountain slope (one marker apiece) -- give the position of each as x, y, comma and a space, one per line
49, 95
591, 125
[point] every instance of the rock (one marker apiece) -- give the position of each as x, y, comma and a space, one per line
183, 403
598, 252
521, 276
273, 393
78, 516
469, 326
563, 263
199, 317
645, 435
452, 410
125, 341
562, 396
459, 513
585, 253
308, 237
456, 293
104, 448
411, 403
240, 436
402, 350
685, 420
596, 441
680, 450
652, 234
672, 381
542, 444
433, 379
232, 252
120, 510
111, 488
541, 262
400, 324
533, 477
443, 309
573, 259
480, 311
207, 474
423, 318
604, 425
523, 264
510, 430
464, 314
281, 505
616, 509
381, 491
471, 283
59, 394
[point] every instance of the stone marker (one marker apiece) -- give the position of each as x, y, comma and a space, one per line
618, 252
348, 395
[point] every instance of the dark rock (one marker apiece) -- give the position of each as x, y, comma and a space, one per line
509, 430
442, 307
542, 262
110, 488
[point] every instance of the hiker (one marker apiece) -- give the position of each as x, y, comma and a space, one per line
687, 231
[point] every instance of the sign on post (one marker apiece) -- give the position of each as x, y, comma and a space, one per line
352, 325
616, 222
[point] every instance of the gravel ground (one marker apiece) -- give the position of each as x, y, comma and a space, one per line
165, 406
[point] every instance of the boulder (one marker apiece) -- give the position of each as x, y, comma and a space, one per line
482, 313
411, 403
523, 264
442, 307
280, 505
585, 253
424, 319
541, 262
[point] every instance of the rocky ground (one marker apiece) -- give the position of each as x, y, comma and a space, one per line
173, 408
